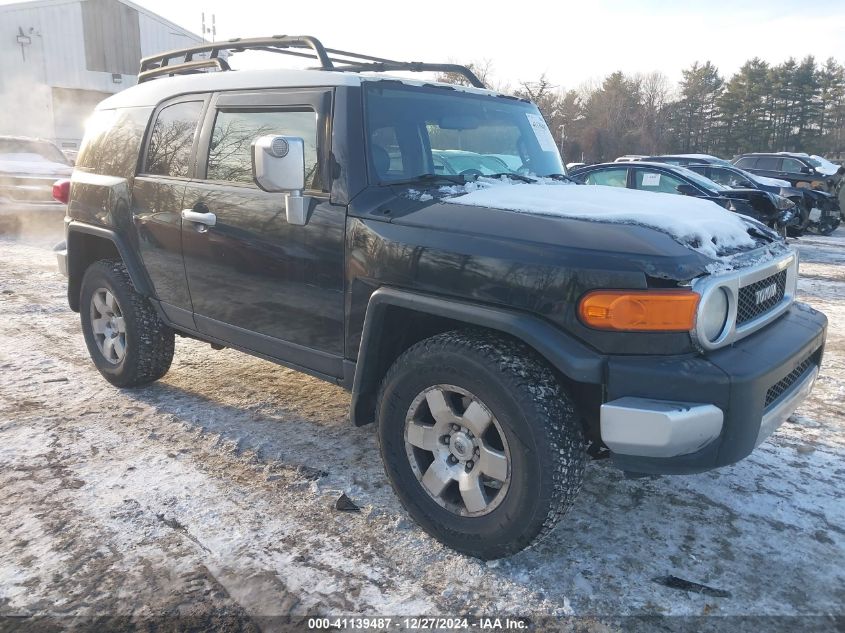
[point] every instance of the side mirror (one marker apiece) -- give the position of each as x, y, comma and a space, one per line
806, 170
687, 190
278, 166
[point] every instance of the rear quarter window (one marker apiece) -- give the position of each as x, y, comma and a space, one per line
112, 141
172, 139
749, 162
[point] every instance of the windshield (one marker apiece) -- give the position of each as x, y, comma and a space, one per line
29, 150
414, 131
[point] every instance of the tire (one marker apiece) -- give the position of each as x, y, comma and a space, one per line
532, 419
828, 227
146, 342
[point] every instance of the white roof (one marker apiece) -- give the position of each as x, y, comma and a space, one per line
154, 91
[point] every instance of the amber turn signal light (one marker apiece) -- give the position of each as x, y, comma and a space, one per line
639, 310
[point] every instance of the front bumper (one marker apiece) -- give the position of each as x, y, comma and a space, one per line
710, 410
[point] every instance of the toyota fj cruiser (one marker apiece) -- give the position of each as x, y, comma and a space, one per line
298, 215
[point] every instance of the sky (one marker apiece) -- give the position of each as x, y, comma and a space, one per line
572, 42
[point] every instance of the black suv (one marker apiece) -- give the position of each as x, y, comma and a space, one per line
801, 170
499, 330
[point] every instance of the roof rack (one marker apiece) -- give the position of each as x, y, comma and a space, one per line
329, 58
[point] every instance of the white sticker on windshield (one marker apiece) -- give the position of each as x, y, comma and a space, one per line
651, 180
541, 132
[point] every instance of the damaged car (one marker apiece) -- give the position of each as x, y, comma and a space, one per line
771, 209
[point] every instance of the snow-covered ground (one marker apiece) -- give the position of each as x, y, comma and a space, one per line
211, 495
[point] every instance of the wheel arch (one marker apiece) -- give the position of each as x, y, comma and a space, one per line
396, 319
87, 244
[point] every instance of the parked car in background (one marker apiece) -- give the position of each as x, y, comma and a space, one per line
688, 159
28, 169
571, 166
801, 170
627, 158
771, 209
816, 209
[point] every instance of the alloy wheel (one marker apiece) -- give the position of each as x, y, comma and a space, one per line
108, 325
457, 450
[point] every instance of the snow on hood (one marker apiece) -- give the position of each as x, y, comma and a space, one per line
827, 168
698, 224
32, 164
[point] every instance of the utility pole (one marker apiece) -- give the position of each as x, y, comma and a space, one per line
209, 30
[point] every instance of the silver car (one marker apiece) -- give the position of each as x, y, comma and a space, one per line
28, 169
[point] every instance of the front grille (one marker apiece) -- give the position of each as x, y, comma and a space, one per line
783, 385
751, 305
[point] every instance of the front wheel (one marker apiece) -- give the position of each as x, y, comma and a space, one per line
481, 443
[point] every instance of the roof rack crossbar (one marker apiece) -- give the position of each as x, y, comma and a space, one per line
185, 68
328, 58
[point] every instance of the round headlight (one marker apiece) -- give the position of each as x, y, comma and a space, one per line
712, 314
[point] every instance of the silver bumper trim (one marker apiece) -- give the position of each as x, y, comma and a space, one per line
779, 411
658, 428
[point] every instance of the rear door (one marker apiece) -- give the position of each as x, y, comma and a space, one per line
768, 166
256, 281
157, 193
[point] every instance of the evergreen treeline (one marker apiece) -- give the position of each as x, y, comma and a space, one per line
794, 106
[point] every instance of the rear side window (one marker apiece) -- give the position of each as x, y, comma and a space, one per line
748, 162
230, 153
656, 181
728, 178
769, 163
608, 177
112, 142
172, 138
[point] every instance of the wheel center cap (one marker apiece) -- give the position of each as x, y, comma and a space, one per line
460, 445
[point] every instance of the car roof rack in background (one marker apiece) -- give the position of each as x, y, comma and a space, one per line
182, 61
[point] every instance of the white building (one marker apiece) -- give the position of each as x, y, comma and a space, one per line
61, 57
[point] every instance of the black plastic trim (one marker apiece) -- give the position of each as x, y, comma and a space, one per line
573, 359
137, 272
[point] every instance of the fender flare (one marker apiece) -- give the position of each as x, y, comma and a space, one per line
137, 272
569, 356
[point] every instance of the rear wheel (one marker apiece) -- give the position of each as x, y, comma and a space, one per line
128, 342
480, 442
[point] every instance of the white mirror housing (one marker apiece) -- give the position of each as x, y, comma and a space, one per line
278, 166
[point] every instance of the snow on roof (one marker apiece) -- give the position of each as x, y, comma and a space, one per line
698, 224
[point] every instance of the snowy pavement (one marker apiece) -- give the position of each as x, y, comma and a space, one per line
210, 495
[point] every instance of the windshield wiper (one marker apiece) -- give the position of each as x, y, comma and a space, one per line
429, 178
562, 177
509, 174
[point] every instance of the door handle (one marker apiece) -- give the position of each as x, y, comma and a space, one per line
209, 219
